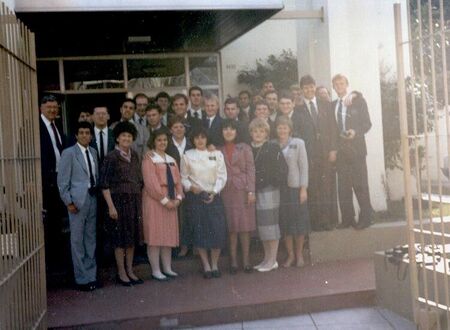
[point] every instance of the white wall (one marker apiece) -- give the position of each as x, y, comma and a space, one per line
270, 37
9, 3
353, 39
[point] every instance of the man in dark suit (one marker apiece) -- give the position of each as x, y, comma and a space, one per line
180, 109
286, 108
247, 112
52, 144
154, 116
353, 123
195, 103
212, 121
232, 111
103, 139
77, 181
103, 142
319, 131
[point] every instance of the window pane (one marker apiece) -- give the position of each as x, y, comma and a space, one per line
48, 76
144, 74
203, 71
93, 74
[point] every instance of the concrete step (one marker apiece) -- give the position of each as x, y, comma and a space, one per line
193, 301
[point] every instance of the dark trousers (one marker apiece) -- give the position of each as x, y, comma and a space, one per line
352, 176
322, 199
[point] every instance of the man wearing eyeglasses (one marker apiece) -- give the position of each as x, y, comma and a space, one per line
52, 144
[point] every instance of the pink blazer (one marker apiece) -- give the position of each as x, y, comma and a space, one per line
241, 168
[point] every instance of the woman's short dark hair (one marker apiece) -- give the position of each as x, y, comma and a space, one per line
233, 124
176, 119
124, 127
199, 131
155, 134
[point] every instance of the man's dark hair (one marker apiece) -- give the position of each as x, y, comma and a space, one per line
84, 124
140, 95
162, 95
285, 95
153, 106
307, 80
195, 88
174, 120
128, 100
180, 96
48, 98
232, 100
245, 92
124, 127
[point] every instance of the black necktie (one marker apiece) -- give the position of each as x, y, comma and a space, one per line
91, 175
55, 133
140, 120
313, 111
170, 182
102, 146
196, 114
339, 115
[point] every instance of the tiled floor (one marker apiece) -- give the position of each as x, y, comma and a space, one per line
346, 319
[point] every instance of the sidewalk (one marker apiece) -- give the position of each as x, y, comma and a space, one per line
374, 318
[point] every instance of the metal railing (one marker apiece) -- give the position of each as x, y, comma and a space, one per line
423, 104
22, 268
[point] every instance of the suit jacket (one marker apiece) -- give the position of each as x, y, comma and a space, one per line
358, 119
215, 134
240, 168
189, 116
48, 159
73, 175
110, 146
172, 150
243, 132
319, 139
270, 166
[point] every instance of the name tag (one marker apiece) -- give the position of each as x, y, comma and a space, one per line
212, 158
293, 146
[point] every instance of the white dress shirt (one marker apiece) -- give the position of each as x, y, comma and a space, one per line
137, 117
53, 138
105, 139
210, 120
193, 111
83, 151
344, 110
181, 147
308, 105
205, 169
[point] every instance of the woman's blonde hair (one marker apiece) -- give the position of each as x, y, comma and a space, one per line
259, 123
284, 120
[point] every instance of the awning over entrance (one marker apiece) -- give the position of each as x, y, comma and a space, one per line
79, 28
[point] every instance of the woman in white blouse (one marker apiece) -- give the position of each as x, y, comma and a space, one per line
203, 175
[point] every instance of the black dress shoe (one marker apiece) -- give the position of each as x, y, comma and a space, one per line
216, 273
233, 270
362, 225
85, 287
343, 225
207, 274
248, 269
123, 283
136, 282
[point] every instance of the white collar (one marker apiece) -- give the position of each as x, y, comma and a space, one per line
157, 158
46, 121
98, 130
83, 149
183, 143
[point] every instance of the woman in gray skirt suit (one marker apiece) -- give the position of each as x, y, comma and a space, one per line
294, 216
270, 173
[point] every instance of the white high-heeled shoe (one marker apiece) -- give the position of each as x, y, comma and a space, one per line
258, 266
268, 269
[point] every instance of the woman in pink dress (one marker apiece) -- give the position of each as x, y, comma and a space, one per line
238, 194
161, 196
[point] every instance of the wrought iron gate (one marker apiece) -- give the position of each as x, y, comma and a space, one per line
425, 136
22, 270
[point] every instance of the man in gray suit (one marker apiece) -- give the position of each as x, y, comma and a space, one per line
77, 181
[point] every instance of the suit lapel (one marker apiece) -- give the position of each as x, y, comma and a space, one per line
80, 158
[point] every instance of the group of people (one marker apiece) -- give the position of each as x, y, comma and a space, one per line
172, 172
